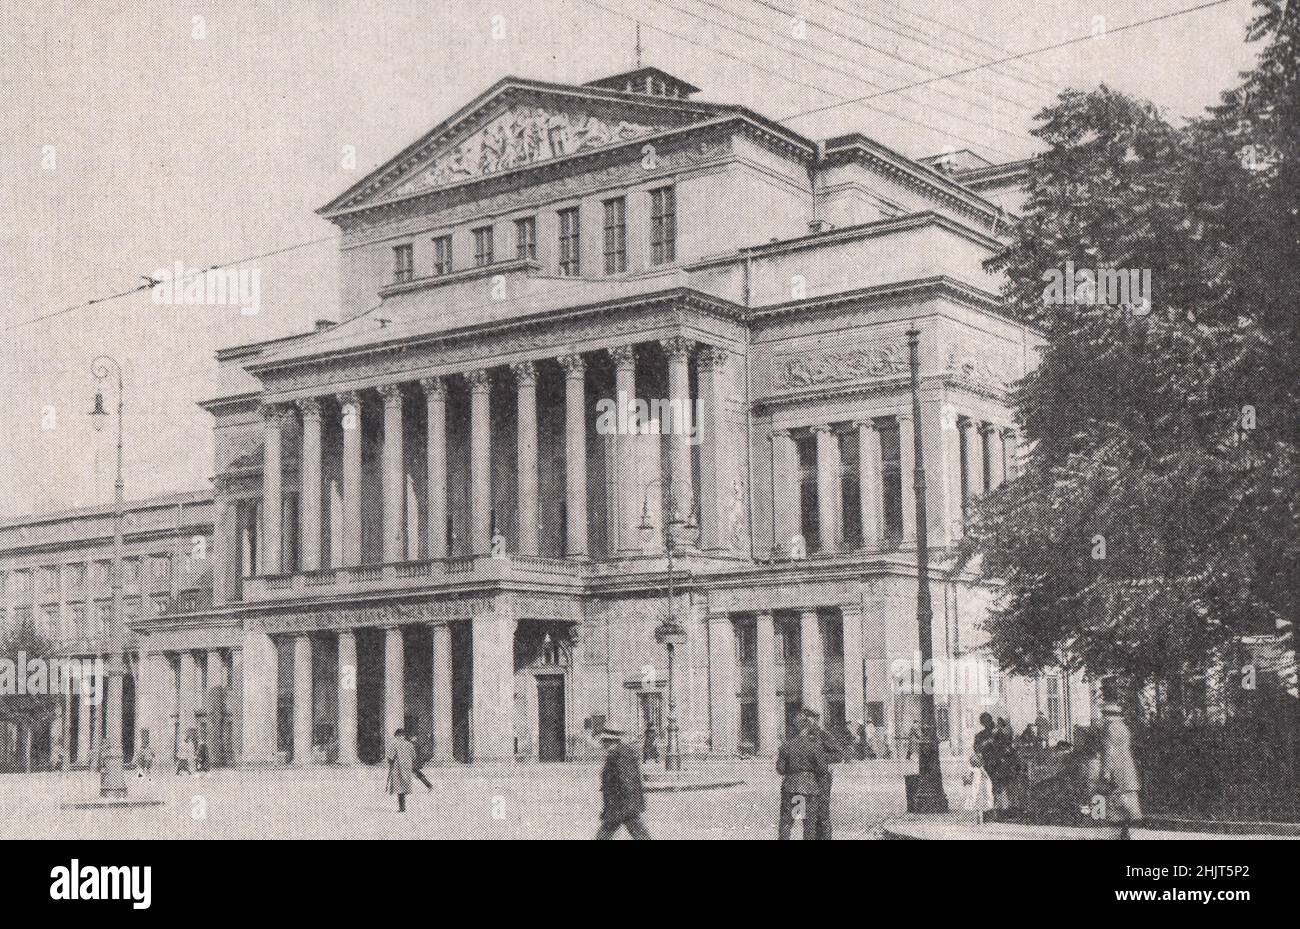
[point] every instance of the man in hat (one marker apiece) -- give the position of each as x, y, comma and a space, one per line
621, 788
401, 760
802, 766
833, 753
1118, 772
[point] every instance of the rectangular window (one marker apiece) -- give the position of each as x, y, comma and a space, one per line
788, 636
663, 225
570, 244
850, 490
442, 255
76, 576
526, 238
1054, 714
891, 479
833, 638
77, 621
482, 246
809, 514
746, 644
615, 235
403, 263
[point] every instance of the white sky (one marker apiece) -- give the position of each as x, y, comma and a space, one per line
169, 148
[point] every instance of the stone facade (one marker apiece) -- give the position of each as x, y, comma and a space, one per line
580, 326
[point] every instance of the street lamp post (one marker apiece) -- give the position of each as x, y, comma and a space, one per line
929, 796
669, 633
112, 784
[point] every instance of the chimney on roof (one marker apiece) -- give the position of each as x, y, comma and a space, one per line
648, 81
323, 324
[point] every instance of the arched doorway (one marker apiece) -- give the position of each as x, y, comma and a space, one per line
543, 656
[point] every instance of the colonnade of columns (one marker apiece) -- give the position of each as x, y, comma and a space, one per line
982, 442
628, 483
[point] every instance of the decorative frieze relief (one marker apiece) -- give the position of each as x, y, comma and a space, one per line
982, 363
386, 614
812, 368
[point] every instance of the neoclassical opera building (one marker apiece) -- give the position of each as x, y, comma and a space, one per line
425, 513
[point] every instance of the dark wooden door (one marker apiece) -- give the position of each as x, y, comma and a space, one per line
550, 718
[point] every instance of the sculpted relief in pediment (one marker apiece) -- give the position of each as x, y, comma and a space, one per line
518, 137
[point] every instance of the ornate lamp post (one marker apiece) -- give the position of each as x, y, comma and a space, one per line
112, 783
669, 633
929, 797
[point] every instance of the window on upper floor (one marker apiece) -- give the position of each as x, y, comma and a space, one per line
833, 638
791, 648
442, 255
891, 479
616, 235
850, 490
403, 263
746, 643
663, 225
526, 238
482, 246
570, 243
809, 515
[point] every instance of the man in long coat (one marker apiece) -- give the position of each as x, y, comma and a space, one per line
621, 789
833, 753
1118, 772
802, 765
401, 761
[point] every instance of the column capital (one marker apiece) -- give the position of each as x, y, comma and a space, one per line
623, 355
1010, 432
712, 357
347, 398
309, 407
573, 365
864, 424
525, 372
823, 427
677, 347
903, 417
435, 388
480, 380
392, 394
990, 429
274, 414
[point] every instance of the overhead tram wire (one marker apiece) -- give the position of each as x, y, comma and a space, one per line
947, 45
1112, 30
887, 113
859, 77
909, 62
1029, 66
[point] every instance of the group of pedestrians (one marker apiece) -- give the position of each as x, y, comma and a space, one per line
804, 763
995, 767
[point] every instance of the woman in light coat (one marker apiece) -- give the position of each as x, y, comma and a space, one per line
1118, 772
401, 762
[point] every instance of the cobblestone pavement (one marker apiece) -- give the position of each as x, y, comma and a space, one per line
535, 801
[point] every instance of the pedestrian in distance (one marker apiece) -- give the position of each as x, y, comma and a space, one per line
621, 790
802, 765
185, 756
913, 739
422, 753
401, 760
144, 762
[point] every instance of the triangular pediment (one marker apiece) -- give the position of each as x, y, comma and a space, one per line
515, 126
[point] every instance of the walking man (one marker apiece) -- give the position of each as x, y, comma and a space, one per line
621, 790
421, 752
401, 759
833, 753
1118, 772
913, 739
802, 766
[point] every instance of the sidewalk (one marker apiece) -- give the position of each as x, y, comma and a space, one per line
962, 825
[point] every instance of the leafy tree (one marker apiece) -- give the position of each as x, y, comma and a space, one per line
1155, 520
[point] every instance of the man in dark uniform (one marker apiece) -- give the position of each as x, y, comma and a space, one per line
834, 753
802, 766
621, 789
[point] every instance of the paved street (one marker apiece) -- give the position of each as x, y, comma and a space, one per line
530, 801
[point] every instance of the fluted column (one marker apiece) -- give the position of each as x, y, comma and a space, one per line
575, 456
769, 707
626, 473
225, 548
714, 464
828, 487
812, 660
787, 520
83, 725
993, 442
272, 505
347, 694
723, 706
302, 717
435, 399
1011, 452
310, 501
442, 716
972, 459
681, 425
869, 490
394, 682
185, 686
907, 468
480, 462
394, 479
526, 450
350, 407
